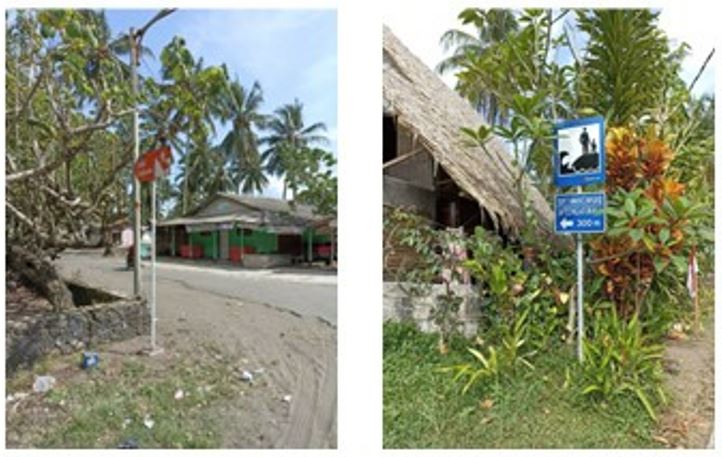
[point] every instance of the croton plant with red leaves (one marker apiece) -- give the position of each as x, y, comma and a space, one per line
647, 218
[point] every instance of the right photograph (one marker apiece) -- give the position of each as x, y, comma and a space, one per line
548, 236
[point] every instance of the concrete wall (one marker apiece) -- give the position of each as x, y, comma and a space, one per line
29, 338
262, 242
399, 193
417, 170
399, 307
266, 260
208, 240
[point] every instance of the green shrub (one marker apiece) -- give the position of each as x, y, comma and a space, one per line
495, 361
511, 283
619, 359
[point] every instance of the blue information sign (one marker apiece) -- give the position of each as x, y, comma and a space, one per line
579, 157
580, 213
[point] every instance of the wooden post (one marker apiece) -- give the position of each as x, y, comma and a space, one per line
310, 246
695, 288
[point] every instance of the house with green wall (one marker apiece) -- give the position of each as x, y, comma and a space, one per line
252, 231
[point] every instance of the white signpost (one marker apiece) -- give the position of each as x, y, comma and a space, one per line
148, 168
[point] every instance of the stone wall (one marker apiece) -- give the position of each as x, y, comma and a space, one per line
31, 337
400, 307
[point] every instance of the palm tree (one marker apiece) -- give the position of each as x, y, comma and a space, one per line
240, 145
192, 101
109, 47
492, 27
202, 173
289, 130
252, 176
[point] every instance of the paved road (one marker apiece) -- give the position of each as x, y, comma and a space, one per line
290, 340
305, 292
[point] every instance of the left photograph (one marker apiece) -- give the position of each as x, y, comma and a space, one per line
171, 230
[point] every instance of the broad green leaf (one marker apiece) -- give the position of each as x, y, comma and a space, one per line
630, 207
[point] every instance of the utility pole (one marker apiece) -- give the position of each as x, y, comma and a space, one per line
136, 153
135, 37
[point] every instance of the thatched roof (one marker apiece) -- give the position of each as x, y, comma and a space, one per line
426, 107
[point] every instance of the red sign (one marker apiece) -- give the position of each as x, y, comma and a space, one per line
152, 164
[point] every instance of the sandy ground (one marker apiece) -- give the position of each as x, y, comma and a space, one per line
689, 420
297, 354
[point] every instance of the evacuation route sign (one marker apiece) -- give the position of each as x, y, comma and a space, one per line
580, 213
579, 158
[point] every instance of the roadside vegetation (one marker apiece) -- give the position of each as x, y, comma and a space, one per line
539, 408
517, 383
126, 401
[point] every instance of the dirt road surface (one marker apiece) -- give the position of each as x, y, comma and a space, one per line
689, 420
295, 352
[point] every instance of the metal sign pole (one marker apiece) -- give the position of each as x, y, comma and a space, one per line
152, 274
580, 294
137, 286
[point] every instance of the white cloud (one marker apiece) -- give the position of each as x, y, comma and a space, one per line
274, 188
420, 29
694, 26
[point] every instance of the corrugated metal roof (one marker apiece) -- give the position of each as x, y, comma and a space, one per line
271, 214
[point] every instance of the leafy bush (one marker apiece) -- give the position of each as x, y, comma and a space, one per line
650, 220
619, 359
434, 256
510, 283
499, 360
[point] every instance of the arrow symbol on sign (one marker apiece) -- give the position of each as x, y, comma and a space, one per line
566, 223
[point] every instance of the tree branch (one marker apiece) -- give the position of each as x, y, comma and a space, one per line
701, 70
17, 114
161, 14
112, 117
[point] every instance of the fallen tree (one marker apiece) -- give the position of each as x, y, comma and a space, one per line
38, 273
69, 143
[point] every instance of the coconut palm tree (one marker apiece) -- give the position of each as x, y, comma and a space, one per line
252, 176
240, 145
492, 27
190, 104
288, 129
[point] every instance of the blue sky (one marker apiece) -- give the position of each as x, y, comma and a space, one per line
291, 53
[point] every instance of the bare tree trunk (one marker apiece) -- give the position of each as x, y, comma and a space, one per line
40, 274
107, 239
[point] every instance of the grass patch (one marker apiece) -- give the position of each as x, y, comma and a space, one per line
106, 406
424, 408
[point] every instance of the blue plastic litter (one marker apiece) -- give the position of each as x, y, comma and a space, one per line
90, 360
